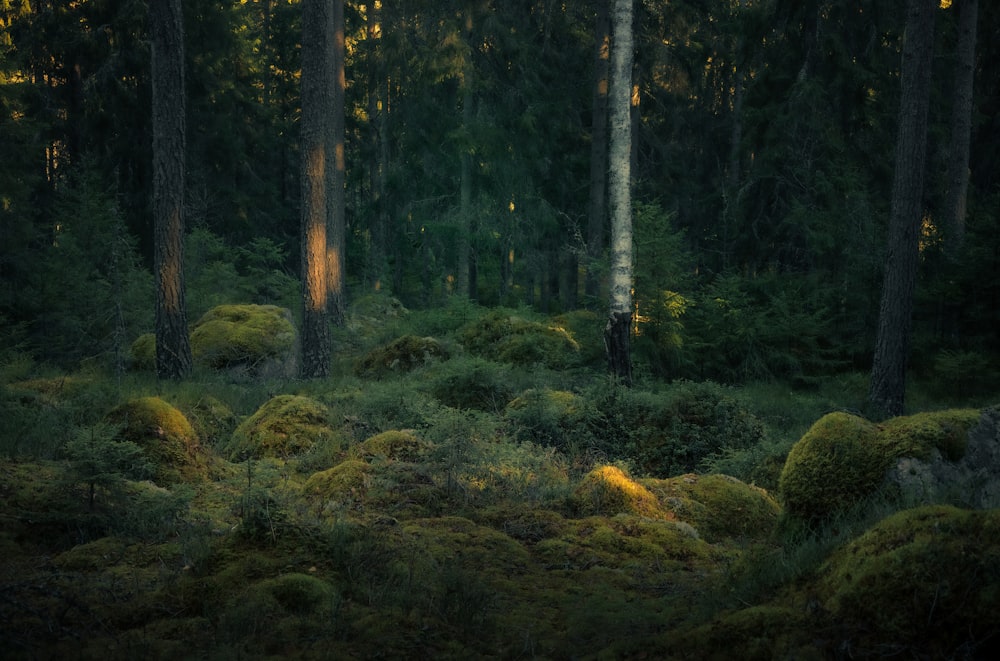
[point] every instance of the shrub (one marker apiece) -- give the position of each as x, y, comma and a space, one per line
554, 418
401, 355
472, 384
393, 444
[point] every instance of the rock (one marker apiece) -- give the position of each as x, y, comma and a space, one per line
971, 480
258, 340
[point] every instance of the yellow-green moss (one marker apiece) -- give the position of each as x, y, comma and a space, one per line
284, 426
165, 436
718, 506
247, 335
607, 490
401, 355
927, 579
843, 458
508, 338
758, 633
142, 353
393, 444
344, 483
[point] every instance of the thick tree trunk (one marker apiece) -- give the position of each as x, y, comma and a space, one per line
961, 125
464, 278
892, 344
173, 348
317, 102
619, 326
597, 212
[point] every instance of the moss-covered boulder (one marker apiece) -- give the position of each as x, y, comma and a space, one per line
720, 507
284, 426
142, 352
256, 339
923, 583
393, 444
402, 355
844, 459
165, 436
607, 491
342, 487
508, 338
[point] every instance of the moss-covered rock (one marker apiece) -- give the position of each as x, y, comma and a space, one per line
759, 633
284, 426
165, 436
507, 338
399, 356
843, 458
393, 444
924, 582
258, 339
607, 491
718, 506
142, 352
342, 486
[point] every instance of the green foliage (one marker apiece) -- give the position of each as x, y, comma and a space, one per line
472, 383
401, 355
101, 460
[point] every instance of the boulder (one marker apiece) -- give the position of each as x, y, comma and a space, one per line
258, 340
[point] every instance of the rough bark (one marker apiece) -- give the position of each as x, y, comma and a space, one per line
317, 102
166, 28
892, 344
618, 329
336, 221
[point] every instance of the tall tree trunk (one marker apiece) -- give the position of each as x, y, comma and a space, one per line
892, 344
173, 347
617, 332
317, 103
961, 125
379, 143
597, 212
464, 279
336, 221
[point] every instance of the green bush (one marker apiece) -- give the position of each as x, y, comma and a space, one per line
472, 383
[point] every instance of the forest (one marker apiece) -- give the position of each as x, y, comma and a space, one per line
260, 405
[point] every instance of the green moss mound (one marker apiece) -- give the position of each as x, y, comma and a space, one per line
760, 633
402, 355
343, 485
843, 458
923, 582
607, 491
393, 444
555, 418
248, 336
165, 436
507, 338
142, 352
284, 426
720, 507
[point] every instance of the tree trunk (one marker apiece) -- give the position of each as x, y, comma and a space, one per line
337, 222
377, 113
463, 276
892, 344
617, 333
317, 103
598, 153
961, 125
166, 28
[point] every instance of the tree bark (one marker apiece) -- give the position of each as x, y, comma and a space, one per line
617, 332
317, 103
961, 126
597, 212
892, 344
173, 347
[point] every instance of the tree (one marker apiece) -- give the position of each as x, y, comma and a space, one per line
173, 348
317, 85
961, 125
619, 327
336, 223
892, 343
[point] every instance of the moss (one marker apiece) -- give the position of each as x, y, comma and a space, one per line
923, 582
98, 554
284, 426
142, 352
759, 633
507, 338
244, 335
344, 484
212, 419
165, 436
607, 490
403, 354
393, 444
842, 459
718, 506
